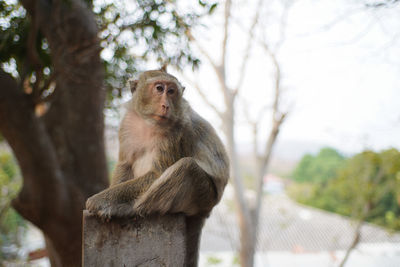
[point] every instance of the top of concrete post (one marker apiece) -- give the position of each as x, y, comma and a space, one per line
136, 241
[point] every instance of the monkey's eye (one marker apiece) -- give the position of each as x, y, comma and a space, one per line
171, 91
159, 88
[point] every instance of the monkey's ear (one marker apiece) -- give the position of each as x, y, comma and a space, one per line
183, 89
164, 67
133, 85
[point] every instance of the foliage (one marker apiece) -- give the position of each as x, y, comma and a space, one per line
235, 260
12, 225
211, 260
319, 168
134, 33
302, 192
367, 188
131, 33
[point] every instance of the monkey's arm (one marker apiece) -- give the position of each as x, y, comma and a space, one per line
118, 200
183, 187
123, 172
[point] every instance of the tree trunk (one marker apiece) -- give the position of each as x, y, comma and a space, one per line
61, 154
247, 244
354, 243
247, 249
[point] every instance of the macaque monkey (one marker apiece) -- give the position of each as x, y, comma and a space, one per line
170, 160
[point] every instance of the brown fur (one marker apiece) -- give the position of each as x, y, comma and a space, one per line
170, 160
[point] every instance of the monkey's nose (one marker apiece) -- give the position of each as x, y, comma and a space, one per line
164, 109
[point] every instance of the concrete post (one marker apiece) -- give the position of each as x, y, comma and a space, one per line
145, 242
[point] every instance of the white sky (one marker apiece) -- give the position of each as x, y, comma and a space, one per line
341, 66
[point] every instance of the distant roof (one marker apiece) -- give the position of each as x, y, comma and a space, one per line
288, 226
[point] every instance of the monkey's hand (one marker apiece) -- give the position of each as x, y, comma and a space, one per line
107, 204
119, 200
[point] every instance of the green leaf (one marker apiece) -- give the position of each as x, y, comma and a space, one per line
212, 8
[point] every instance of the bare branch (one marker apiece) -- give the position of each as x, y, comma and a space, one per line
207, 55
227, 16
354, 243
278, 118
253, 124
346, 15
278, 77
249, 46
263, 164
203, 96
283, 25
217, 69
246, 113
220, 69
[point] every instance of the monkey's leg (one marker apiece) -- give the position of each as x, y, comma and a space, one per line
118, 200
184, 187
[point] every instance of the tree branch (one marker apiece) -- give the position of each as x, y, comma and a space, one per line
253, 125
277, 120
33, 57
249, 46
282, 27
203, 96
227, 15
31, 145
217, 69
38, 8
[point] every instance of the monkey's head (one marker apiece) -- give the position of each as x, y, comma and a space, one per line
157, 96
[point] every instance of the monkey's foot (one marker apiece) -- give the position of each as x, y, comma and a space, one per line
141, 209
152, 203
106, 209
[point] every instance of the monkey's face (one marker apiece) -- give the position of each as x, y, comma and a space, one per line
164, 99
158, 97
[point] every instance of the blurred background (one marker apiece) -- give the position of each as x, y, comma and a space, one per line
304, 94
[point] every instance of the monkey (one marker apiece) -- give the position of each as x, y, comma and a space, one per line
170, 160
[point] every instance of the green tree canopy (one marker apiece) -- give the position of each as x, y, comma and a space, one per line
131, 33
367, 188
318, 168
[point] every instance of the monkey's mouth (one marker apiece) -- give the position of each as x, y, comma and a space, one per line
160, 117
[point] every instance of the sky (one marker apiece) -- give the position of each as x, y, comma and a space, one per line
340, 65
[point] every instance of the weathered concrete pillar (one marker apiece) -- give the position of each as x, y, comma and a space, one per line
145, 242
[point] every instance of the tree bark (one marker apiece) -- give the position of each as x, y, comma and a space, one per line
61, 155
247, 244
